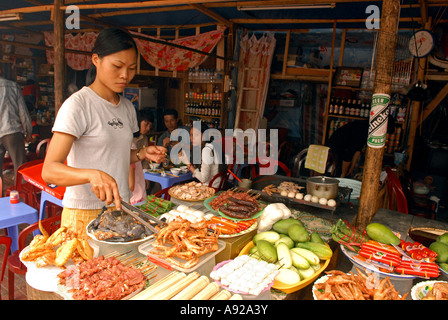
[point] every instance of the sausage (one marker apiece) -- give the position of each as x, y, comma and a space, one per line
246, 203
233, 214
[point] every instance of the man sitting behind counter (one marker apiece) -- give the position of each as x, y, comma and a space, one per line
171, 121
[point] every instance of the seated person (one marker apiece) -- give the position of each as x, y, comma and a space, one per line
347, 143
145, 119
210, 165
171, 121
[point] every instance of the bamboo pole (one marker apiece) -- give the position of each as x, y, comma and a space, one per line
330, 83
378, 115
286, 53
59, 54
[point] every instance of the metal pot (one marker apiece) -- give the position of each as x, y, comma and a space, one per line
322, 187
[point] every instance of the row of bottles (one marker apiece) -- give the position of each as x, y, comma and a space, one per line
210, 108
204, 75
211, 123
393, 140
349, 107
215, 95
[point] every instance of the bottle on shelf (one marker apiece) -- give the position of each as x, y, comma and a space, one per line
358, 108
331, 106
342, 106
348, 107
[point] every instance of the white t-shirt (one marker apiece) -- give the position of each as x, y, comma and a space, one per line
103, 135
209, 166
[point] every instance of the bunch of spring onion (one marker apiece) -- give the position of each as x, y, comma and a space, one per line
347, 235
156, 206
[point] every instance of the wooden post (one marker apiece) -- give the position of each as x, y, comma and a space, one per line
378, 115
330, 83
59, 54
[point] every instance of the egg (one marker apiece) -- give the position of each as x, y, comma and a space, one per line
299, 196
198, 214
182, 208
331, 203
307, 197
291, 194
284, 193
323, 201
315, 199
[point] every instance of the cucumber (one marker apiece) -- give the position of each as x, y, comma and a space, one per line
270, 236
286, 240
310, 256
316, 267
295, 270
315, 237
298, 261
283, 255
287, 276
306, 273
381, 233
283, 225
321, 250
267, 251
298, 233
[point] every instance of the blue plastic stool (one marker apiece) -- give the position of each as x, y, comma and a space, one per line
44, 198
11, 215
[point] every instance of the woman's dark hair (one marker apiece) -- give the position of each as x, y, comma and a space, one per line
109, 41
143, 114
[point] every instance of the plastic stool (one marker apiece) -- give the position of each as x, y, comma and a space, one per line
11, 215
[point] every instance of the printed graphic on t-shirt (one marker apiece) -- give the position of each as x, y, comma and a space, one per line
115, 123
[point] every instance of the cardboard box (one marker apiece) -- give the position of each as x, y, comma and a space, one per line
234, 246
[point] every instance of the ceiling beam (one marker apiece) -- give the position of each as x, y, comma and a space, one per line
304, 21
211, 14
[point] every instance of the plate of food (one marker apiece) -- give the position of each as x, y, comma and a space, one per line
430, 290
117, 227
192, 191
234, 205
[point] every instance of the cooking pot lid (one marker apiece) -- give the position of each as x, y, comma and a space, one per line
323, 180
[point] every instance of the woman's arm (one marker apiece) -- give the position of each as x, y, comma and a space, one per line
57, 172
153, 153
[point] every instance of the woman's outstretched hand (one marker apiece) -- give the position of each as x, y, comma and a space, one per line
105, 188
155, 153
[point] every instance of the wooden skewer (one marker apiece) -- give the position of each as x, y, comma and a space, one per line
171, 174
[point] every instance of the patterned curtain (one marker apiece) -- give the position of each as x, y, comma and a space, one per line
79, 41
160, 56
255, 57
171, 58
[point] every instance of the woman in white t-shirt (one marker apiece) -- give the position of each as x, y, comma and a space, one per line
90, 151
